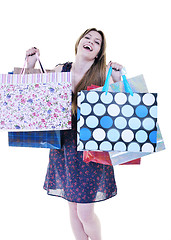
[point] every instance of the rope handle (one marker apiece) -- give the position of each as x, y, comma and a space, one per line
125, 81
38, 59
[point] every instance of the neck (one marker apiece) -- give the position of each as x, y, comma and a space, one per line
81, 65
79, 68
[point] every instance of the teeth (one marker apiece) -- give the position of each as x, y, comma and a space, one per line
89, 47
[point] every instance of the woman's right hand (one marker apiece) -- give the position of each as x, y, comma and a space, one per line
31, 57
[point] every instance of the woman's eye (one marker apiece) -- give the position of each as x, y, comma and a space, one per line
97, 43
87, 37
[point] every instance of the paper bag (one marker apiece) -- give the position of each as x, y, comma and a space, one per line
117, 121
35, 102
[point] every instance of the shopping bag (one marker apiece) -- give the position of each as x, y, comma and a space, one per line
124, 157
138, 84
35, 139
102, 157
117, 121
35, 102
133, 162
106, 159
117, 157
97, 157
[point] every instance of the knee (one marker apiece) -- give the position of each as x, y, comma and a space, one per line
85, 212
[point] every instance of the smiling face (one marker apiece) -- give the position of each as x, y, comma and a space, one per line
90, 45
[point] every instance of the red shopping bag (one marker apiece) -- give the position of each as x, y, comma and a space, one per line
97, 157
133, 162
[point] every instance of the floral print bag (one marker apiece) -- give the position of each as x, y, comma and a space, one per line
36, 138
35, 102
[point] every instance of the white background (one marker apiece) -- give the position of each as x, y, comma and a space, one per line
138, 36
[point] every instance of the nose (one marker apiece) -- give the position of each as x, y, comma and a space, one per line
90, 41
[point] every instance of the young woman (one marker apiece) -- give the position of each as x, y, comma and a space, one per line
68, 176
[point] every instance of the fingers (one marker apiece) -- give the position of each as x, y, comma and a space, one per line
115, 66
31, 57
116, 74
32, 51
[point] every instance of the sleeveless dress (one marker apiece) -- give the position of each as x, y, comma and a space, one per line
69, 177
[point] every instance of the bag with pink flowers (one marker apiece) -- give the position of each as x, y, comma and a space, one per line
37, 103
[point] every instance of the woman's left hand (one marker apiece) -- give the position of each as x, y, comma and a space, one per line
116, 67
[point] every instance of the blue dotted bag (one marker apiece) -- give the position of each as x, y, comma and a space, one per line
117, 121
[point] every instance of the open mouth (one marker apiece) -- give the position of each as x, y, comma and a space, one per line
88, 47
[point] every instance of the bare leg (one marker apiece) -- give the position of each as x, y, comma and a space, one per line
76, 224
89, 220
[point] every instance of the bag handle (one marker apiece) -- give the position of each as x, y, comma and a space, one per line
125, 82
38, 59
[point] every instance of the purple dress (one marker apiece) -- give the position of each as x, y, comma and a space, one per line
69, 177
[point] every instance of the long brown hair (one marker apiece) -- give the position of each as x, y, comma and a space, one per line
97, 73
